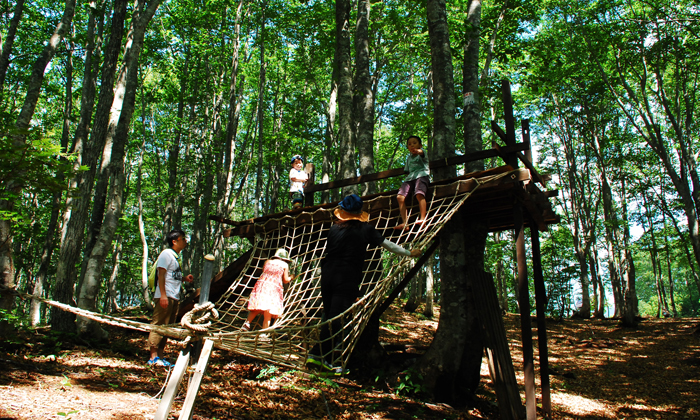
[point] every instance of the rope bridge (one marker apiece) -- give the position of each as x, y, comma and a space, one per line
288, 341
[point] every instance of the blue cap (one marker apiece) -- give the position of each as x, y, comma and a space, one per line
352, 203
295, 157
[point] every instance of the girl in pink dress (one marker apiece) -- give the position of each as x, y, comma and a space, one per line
266, 298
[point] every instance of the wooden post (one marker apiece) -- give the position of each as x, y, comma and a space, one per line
540, 295
540, 300
196, 381
525, 322
173, 384
523, 284
311, 172
204, 296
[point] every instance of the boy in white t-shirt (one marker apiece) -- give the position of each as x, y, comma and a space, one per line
167, 295
297, 181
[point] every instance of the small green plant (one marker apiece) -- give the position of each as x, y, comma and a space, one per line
410, 383
268, 371
67, 414
65, 382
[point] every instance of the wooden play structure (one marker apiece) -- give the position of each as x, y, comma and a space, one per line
507, 197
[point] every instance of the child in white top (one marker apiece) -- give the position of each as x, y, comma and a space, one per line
297, 181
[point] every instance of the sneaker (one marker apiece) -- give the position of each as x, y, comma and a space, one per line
316, 362
338, 371
246, 326
157, 361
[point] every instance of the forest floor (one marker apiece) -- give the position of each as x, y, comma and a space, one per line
598, 371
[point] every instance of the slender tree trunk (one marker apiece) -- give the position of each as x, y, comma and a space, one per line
628, 273
225, 176
145, 290
74, 221
7, 267
8, 43
428, 311
471, 101
668, 268
364, 96
173, 194
343, 65
261, 115
49, 242
111, 303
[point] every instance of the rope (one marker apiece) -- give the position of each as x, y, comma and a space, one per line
200, 324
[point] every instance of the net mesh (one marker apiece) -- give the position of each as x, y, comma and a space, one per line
287, 342
297, 330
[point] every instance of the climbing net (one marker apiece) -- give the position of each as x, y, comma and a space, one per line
291, 337
288, 341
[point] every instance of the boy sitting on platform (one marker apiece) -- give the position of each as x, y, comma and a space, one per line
417, 181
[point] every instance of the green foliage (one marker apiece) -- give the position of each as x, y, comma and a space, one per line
410, 382
30, 166
268, 372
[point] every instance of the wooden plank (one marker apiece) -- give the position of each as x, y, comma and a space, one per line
196, 381
525, 321
540, 305
435, 164
498, 354
173, 384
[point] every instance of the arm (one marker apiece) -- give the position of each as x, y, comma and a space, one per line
163, 301
390, 246
286, 278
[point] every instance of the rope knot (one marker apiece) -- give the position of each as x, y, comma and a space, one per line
202, 323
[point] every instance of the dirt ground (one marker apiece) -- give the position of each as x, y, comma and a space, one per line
598, 371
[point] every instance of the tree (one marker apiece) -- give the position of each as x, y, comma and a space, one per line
19, 140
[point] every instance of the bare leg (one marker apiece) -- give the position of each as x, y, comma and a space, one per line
252, 315
402, 210
422, 205
266, 319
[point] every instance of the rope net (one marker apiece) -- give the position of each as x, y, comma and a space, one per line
288, 341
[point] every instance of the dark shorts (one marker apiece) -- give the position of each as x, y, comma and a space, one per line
297, 197
417, 186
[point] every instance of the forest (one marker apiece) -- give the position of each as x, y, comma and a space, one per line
120, 121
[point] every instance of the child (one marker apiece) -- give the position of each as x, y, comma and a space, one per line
297, 181
417, 180
266, 298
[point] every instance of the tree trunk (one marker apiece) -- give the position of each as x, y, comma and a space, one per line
261, 115
7, 268
77, 207
471, 101
446, 366
225, 176
87, 297
629, 274
111, 303
145, 289
9, 42
364, 96
343, 65
414, 294
428, 311
49, 242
